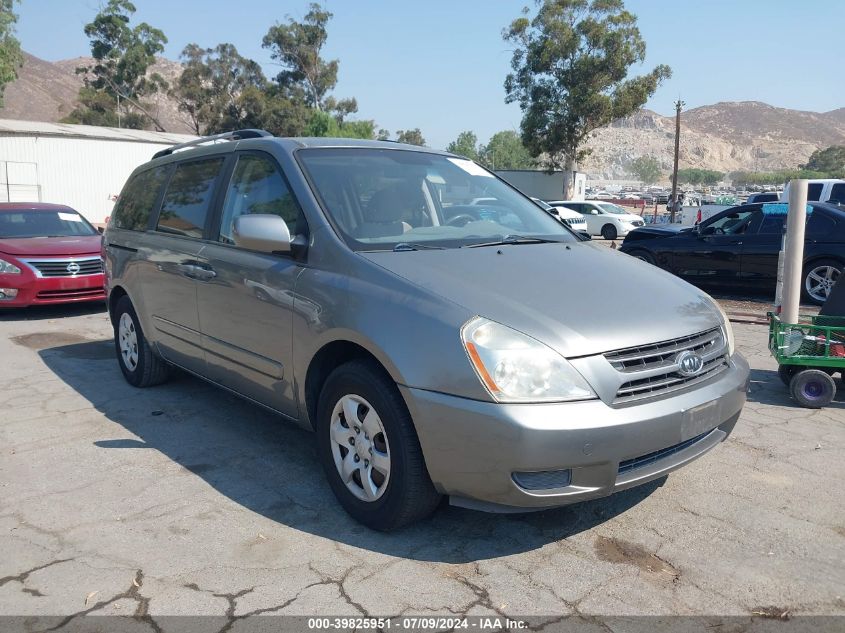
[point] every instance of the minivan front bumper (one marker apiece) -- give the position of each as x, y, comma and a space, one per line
472, 448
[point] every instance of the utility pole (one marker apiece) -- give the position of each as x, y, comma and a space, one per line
678, 105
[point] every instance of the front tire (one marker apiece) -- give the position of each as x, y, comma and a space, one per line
609, 232
369, 449
819, 277
139, 363
645, 256
813, 388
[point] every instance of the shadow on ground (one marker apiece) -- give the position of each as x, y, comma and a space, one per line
766, 387
46, 312
269, 466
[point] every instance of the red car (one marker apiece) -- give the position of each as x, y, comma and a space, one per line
49, 254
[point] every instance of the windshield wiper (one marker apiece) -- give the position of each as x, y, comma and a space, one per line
514, 239
410, 246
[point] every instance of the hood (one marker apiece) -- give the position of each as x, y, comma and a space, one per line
579, 299
631, 217
44, 246
660, 230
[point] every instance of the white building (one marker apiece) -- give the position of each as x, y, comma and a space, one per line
81, 166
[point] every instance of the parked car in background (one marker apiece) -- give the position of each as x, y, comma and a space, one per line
767, 196
49, 253
603, 218
436, 347
738, 248
570, 218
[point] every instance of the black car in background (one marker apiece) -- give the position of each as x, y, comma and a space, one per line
737, 249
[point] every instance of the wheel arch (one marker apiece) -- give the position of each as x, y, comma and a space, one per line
115, 295
820, 257
328, 358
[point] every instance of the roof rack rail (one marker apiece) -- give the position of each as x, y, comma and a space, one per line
235, 135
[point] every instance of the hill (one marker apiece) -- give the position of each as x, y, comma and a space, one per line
46, 91
727, 136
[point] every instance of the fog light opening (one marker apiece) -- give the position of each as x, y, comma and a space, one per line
8, 293
543, 479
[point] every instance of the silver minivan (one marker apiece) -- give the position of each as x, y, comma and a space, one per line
437, 347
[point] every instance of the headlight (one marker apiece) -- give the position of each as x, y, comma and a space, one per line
517, 368
8, 268
726, 327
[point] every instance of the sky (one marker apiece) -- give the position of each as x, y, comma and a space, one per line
440, 64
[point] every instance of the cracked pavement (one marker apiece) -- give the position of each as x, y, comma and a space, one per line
183, 499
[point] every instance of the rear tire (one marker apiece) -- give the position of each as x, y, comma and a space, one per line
608, 232
813, 388
139, 363
818, 280
395, 489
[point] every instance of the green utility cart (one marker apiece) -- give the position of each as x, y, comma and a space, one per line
808, 354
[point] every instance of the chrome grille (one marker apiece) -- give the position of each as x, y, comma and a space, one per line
574, 222
67, 267
651, 370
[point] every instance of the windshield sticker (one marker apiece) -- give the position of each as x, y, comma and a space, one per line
470, 167
69, 217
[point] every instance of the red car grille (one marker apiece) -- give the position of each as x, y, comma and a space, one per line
72, 294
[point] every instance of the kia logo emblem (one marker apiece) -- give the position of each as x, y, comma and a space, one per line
73, 268
689, 363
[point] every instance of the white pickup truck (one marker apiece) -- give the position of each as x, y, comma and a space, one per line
821, 190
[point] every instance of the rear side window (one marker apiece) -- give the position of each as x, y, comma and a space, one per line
257, 186
186, 203
837, 193
814, 190
820, 226
136, 202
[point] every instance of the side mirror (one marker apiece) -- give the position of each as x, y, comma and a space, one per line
594, 212
262, 232
554, 212
101, 229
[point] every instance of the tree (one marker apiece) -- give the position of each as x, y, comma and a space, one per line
505, 150
570, 75
646, 169
324, 124
695, 176
296, 47
122, 57
830, 160
11, 57
219, 89
411, 137
465, 145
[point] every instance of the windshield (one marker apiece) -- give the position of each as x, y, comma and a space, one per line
381, 198
607, 207
43, 223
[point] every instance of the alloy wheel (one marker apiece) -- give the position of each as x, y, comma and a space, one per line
128, 338
820, 280
360, 448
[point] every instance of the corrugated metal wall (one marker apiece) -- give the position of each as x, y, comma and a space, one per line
84, 173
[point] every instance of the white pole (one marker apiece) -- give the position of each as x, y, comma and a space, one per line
793, 256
